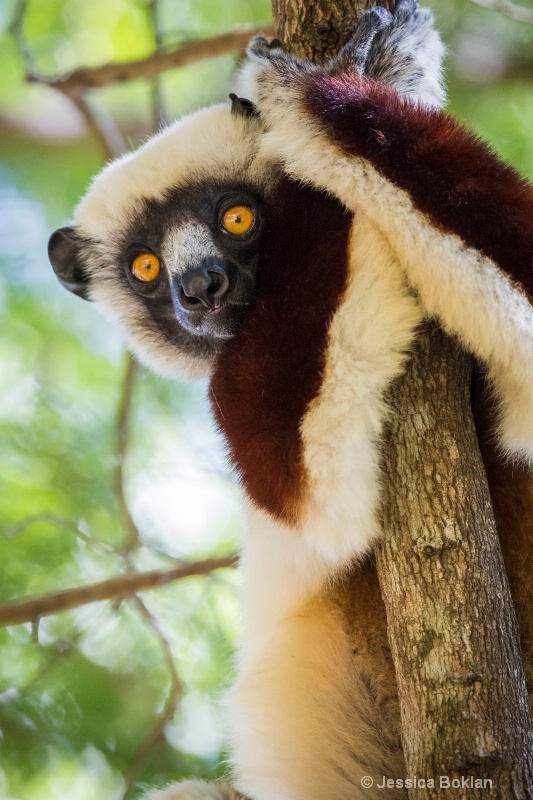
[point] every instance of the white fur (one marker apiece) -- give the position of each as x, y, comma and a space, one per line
368, 338
187, 151
144, 338
186, 245
295, 733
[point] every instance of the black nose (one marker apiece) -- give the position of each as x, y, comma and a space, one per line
204, 286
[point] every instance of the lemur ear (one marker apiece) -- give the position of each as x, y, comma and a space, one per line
64, 257
242, 107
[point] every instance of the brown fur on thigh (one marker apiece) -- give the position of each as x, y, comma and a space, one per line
359, 597
511, 489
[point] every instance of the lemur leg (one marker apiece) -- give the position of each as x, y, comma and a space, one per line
315, 713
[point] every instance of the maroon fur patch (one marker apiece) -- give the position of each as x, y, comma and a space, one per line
270, 371
451, 176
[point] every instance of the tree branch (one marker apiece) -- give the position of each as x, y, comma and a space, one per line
101, 125
508, 9
171, 703
19, 611
189, 53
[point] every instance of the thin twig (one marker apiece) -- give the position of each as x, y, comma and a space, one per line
508, 9
171, 704
98, 121
158, 108
53, 653
187, 53
101, 124
11, 531
123, 429
17, 612
17, 32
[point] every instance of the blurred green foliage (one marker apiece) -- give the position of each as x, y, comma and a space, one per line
81, 691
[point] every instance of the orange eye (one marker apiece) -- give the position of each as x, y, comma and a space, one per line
146, 267
238, 219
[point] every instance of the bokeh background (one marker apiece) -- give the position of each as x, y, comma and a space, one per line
106, 470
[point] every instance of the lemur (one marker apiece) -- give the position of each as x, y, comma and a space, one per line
289, 246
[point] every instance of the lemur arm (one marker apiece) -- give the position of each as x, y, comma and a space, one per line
459, 220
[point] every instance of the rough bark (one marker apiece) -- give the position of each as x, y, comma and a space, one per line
452, 626
316, 29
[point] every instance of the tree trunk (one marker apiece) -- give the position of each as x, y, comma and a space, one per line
452, 627
451, 623
317, 29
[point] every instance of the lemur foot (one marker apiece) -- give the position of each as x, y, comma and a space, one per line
405, 53
354, 54
377, 20
269, 53
401, 49
271, 75
196, 790
261, 47
404, 9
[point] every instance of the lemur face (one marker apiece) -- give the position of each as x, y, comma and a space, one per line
166, 240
